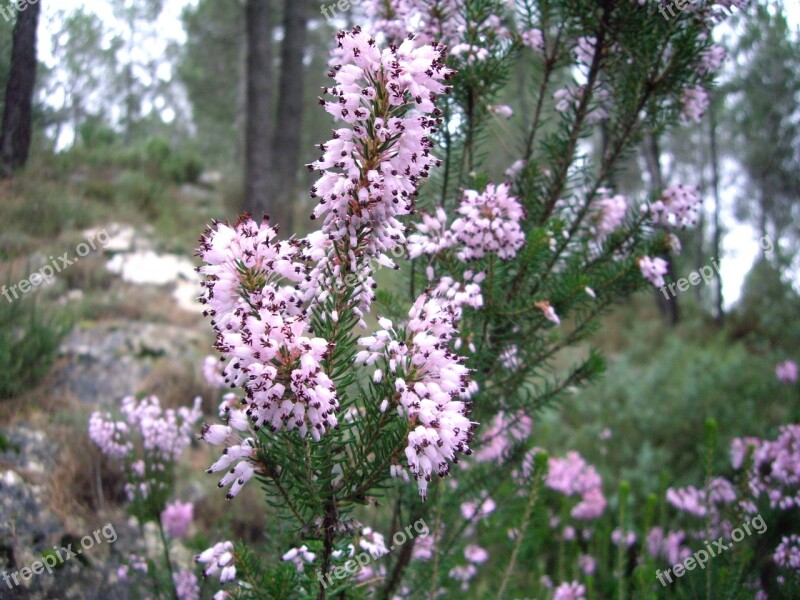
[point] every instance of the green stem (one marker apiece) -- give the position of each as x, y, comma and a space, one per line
165, 545
540, 465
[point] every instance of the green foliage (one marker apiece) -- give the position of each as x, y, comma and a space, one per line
768, 314
210, 68
29, 341
140, 192
766, 99
94, 134
42, 211
655, 398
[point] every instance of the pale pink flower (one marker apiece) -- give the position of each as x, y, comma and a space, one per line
432, 235
186, 585
608, 213
502, 434
533, 38
502, 110
212, 371
653, 270
694, 103
786, 371
299, 557
177, 517
430, 380
710, 60
618, 538
570, 98
787, 554
489, 223
219, 559
587, 564
677, 206
476, 554
515, 169
570, 591
464, 574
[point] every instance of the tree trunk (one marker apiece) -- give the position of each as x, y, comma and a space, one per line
287, 133
258, 128
652, 154
720, 313
16, 131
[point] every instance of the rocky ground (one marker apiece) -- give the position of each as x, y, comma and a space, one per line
147, 337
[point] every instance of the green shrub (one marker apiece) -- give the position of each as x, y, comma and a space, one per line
182, 168
44, 211
29, 340
655, 398
94, 133
140, 192
155, 152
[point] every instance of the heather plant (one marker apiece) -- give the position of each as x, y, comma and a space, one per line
359, 409
148, 441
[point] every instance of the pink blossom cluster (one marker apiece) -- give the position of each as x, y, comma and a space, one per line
677, 206
534, 39
432, 236
706, 504
186, 585
653, 269
177, 517
786, 371
710, 60
787, 554
299, 557
136, 563
701, 502
694, 103
499, 438
623, 538
489, 223
212, 372
570, 591
587, 563
110, 436
585, 49
571, 97
669, 547
162, 434
166, 433
570, 476
261, 328
776, 467
464, 574
469, 53
239, 452
430, 383
475, 556
608, 213
502, 110
430, 20
509, 358
371, 169
219, 559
